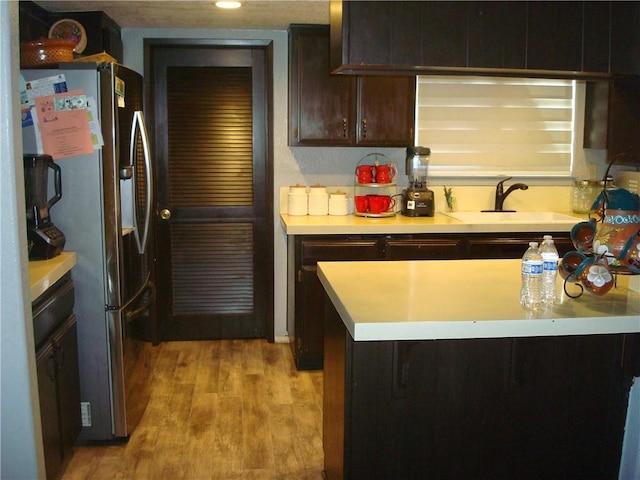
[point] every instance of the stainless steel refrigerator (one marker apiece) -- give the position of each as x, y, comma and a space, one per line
105, 215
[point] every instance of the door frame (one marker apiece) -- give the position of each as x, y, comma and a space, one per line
267, 47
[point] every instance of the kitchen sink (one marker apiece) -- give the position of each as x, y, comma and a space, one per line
513, 217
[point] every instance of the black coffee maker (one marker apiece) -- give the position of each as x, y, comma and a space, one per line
45, 239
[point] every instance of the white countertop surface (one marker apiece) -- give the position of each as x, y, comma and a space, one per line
399, 224
44, 273
423, 300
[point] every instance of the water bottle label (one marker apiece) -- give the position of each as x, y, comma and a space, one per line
532, 268
550, 266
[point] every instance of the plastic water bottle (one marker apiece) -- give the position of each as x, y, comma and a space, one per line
550, 258
531, 277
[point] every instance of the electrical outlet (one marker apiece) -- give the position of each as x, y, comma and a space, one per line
85, 410
593, 171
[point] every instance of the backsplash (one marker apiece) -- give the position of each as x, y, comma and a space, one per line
474, 198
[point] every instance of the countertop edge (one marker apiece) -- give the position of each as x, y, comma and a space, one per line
508, 323
44, 273
439, 223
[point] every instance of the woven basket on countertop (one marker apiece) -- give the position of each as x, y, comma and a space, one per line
46, 52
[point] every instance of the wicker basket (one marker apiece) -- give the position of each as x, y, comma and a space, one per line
46, 52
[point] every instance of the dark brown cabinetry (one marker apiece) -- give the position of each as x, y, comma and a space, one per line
497, 35
327, 109
305, 328
533, 407
58, 374
103, 33
625, 38
612, 118
554, 36
558, 38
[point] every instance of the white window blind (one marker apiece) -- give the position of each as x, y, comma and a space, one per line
496, 126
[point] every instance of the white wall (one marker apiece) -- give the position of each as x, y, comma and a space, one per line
21, 438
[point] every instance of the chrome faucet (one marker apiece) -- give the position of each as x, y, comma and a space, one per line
501, 194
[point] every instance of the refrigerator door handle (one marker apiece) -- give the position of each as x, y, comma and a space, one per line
147, 286
138, 124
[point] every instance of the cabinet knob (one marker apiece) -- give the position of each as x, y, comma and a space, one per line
165, 214
364, 128
344, 127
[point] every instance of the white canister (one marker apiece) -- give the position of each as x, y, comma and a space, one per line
338, 203
297, 200
318, 200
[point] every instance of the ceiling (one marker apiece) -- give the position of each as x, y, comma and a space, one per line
254, 14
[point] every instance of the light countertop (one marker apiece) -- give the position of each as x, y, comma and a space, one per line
423, 300
399, 224
44, 273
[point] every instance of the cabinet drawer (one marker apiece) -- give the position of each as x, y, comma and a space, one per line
52, 308
312, 251
435, 249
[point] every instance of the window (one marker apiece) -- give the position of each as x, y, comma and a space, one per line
488, 126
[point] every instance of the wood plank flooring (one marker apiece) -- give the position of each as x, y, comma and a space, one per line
224, 409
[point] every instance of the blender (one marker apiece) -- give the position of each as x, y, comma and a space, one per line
45, 239
417, 199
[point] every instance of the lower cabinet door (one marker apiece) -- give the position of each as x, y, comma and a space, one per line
66, 342
309, 332
49, 416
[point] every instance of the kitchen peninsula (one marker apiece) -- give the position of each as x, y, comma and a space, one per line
433, 370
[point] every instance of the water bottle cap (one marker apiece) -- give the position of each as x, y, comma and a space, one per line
533, 244
547, 237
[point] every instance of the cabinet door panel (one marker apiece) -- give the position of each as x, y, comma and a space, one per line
624, 120
554, 36
386, 111
595, 44
625, 38
49, 415
497, 35
444, 33
309, 331
568, 393
369, 32
66, 342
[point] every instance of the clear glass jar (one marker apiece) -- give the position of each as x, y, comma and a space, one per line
581, 196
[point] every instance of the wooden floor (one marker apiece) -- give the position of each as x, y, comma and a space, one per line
230, 409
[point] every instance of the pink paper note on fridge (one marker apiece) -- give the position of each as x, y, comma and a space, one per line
63, 122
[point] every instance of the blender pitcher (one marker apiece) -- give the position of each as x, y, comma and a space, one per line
45, 239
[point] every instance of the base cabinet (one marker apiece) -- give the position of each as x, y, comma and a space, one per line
59, 391
306, 326
526, 408
56, 339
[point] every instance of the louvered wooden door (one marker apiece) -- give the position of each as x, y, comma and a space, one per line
213, 237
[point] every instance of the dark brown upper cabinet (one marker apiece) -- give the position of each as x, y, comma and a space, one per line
103, 33
554, 36
625, 38
337, 110
567, 39
497, 35
612, 118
